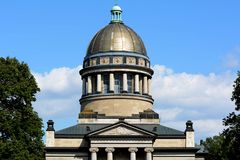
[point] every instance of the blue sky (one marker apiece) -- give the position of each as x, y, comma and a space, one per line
194, 47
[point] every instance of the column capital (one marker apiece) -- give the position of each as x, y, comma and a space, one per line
148, 149
93, 150
109, 149
132, 150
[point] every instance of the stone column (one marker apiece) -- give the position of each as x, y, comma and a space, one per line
99, 83
109, 153
132, 153
89, 91
145, 85
111, 82
83, 86
93, 153
136, 90
149, 86
148, 153
125, 85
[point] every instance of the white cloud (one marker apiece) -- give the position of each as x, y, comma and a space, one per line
205, 99
191, 91
59, 80
60, 92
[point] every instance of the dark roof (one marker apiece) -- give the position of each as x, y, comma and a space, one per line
81, 130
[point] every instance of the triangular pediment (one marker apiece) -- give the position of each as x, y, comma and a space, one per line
121, 129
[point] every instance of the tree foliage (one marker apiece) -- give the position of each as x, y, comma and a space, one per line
232, 121
214, 147
20, 126
226, 146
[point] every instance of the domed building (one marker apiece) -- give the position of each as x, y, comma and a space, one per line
116, 119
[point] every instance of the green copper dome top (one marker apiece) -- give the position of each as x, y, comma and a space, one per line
116, 8
116, 37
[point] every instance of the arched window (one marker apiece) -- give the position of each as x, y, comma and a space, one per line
118, 85
105, 83
130, 83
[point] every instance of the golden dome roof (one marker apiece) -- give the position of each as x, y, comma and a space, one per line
116, 37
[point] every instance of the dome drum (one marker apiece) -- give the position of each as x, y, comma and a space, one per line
116, 59
116, 83
124, 104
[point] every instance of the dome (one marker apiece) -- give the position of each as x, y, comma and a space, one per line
116, 37
116, 8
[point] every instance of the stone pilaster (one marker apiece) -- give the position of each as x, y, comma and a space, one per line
50, 134
189, 132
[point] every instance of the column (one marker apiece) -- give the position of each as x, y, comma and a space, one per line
109, 153
132, 153
111, 83
83, 86
148, 153
93, 153
125, 87
99, 83
149, 86
136, 86
89, 91
145, 85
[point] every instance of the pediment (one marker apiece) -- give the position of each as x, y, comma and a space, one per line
121, 129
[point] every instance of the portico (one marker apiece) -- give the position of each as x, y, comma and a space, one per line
132, 153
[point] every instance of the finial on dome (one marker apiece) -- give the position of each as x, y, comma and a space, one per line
116, 12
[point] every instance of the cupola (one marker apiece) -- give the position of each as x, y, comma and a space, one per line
116, 73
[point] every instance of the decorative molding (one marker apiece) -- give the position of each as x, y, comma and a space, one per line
120, 130
141, 62
93, 150
131, 60
117, 60
116, 54
109, 149
148, 150
104, 60
93, 62
132, 149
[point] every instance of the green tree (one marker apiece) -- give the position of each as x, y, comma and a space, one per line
226, 146
232, 122
20, 127
214, 146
